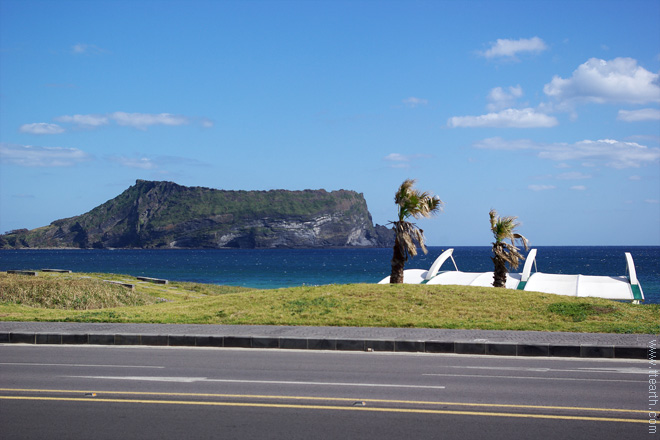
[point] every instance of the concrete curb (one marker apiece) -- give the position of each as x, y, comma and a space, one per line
334, 344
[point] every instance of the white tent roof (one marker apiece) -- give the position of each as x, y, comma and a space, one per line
609, 287
483, 279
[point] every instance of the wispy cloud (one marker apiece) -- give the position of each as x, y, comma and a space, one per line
84, 120
541, 187
29, 156
144, 120
579, 188
497, 143
143, 163
141, 121
504, 48
619, 80
574, 175
611, 153
153, 163
41, 128
23, 196
60, 85
645, 114
414, 102
404, 160
509, 118
87, 49
398, 160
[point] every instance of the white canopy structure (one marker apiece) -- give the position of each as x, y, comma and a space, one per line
625, 287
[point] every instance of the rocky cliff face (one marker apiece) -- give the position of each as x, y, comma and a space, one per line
167, 215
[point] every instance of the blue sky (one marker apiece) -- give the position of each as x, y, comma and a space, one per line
549, 111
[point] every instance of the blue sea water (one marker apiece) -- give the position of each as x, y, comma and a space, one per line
272, 268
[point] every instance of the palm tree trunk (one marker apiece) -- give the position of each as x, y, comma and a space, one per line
398, 263
499, 275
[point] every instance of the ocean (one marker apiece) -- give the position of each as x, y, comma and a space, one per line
273, 268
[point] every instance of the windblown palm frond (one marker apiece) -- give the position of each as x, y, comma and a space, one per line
409, 236
411, 203
510, 254
503, 228
415, 203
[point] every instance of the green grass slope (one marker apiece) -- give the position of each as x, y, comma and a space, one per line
62, 297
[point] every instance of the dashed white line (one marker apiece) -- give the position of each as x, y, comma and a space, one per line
267, 382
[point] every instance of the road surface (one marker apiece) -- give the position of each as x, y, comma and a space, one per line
93, 392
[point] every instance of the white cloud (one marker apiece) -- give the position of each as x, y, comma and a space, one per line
144, 120
41, 128
541, 187
635, 178
615, 154
652, 201
574, 175
579, 188
514, 118
611, 153
136, 120
29, 156
645, 114
84, 120
510, 48
499, 99
600, 81
414, 102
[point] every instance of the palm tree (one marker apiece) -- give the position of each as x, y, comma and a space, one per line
504, 253
411, 203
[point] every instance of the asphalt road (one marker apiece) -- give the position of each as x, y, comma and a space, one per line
91, 392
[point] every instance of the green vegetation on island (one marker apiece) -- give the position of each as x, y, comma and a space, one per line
166, 215
81, 297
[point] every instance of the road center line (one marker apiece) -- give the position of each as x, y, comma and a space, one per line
325, 407
325, 399
267, 382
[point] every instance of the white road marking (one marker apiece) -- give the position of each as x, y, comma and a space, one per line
146, 378
31, 364
623, 370
614, 370
267, 382
533, 377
